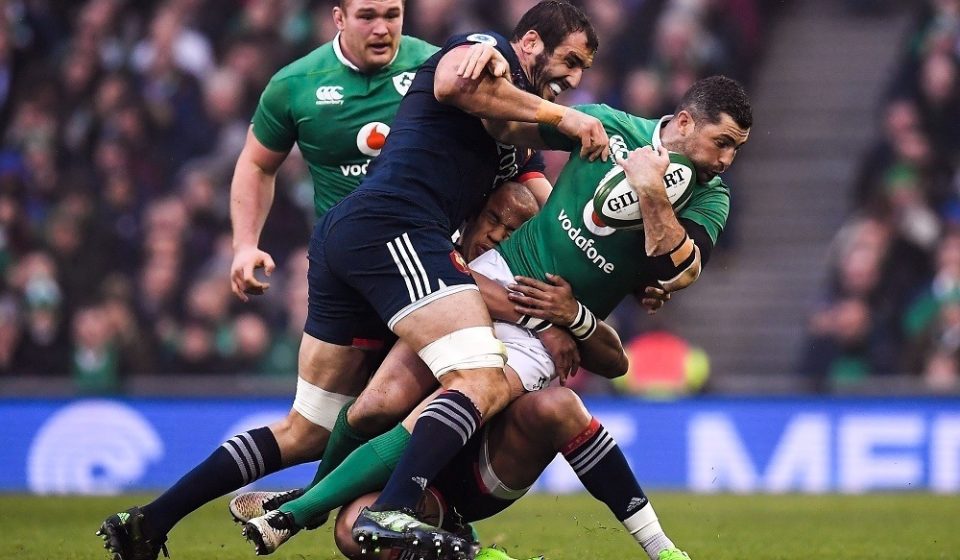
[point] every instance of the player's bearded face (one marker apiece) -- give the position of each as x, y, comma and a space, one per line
712, 147
562, 68
370, 31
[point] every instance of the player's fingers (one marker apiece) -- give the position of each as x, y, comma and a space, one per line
237, 289
526, 290
500, 69
470, 68
532, 282
557, 280
268, 265
462, 67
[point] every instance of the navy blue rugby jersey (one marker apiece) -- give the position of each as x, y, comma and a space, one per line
439, 157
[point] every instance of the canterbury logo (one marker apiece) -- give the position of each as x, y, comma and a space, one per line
330, 95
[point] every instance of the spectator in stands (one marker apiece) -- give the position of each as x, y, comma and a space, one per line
122, 121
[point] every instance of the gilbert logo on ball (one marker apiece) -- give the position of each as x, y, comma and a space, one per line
615, 202
371, 138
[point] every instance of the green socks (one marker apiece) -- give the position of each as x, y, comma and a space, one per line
365, 470
343, 440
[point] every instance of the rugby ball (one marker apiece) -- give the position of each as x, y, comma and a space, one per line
616, 204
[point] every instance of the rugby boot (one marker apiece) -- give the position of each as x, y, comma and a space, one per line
399, 529
246, 506
269, 531
123, 535
672, 554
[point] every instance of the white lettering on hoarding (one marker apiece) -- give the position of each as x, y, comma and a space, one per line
862, 467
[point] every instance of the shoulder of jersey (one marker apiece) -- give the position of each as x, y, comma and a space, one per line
319, 60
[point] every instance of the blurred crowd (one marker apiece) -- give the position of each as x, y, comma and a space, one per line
121, 122
892, 303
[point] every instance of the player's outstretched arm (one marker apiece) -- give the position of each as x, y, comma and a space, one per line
251, 196
600, 348
497, 99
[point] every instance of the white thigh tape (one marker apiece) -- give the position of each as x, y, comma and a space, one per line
470, 348
318, 406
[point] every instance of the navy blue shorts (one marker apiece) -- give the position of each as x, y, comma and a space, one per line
367, 262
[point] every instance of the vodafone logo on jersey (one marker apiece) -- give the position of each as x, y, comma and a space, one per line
371, 138
330, 95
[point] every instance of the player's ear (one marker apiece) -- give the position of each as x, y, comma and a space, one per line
685, 122
338, 18
531, 43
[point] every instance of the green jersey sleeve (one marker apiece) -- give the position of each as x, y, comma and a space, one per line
709, 206
273, 124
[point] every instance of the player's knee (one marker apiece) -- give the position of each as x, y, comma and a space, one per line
373, 414
555, 407
343, 536
299, 440
488, 389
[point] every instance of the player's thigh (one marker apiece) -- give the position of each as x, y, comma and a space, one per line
332, 367
399, 384
523, 439
438, 318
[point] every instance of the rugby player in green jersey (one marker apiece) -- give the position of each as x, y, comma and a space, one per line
337, 104
711, 123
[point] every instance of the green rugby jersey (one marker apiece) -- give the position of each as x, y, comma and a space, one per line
338, 116
602, 265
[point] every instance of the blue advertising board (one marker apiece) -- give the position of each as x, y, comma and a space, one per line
106, 446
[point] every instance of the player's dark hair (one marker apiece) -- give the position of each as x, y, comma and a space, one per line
553, 20
709, 97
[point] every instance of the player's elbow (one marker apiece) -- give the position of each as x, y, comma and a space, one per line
447, 88
684, 278
680, 267
612, 368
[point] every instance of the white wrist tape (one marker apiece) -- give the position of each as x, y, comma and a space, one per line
585, 323
533, 323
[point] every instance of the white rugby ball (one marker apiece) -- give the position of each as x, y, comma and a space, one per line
616, 204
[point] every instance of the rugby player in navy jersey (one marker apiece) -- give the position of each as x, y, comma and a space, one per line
386, 248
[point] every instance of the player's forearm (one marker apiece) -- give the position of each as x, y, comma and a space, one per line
251, 196
495, 297
661, 229
490, 97
516, 133
602, 353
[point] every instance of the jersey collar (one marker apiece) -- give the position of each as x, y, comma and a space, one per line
656, 131
346, 62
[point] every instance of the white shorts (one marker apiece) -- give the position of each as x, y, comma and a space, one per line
525, 353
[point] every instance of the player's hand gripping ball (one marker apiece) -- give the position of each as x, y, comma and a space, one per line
615, 202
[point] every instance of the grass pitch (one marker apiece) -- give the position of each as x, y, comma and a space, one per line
899, 526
